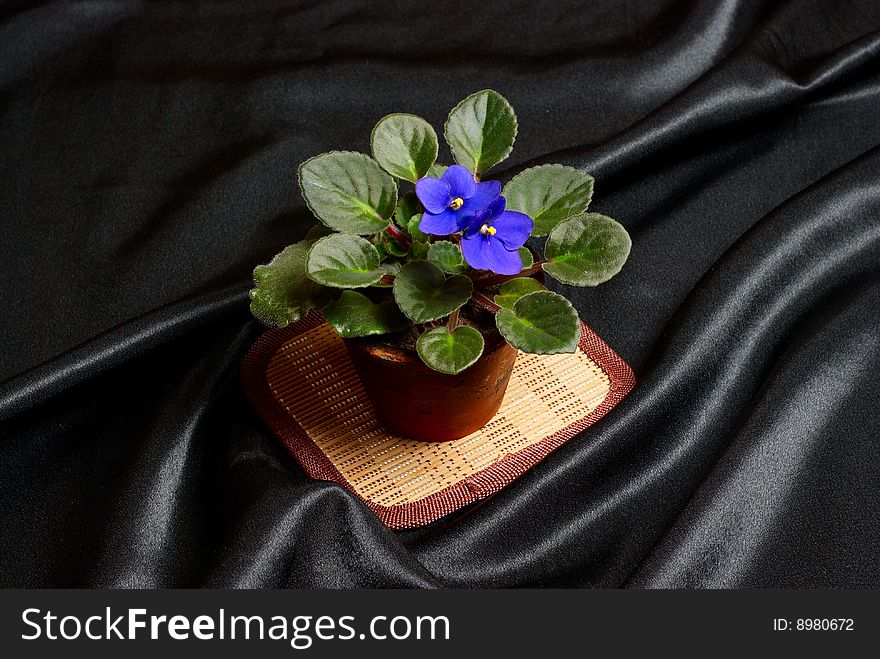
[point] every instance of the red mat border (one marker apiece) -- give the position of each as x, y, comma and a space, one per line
477, 486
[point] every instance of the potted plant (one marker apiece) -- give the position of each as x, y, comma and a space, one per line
412, 259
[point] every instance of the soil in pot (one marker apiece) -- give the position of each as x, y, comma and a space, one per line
421, 403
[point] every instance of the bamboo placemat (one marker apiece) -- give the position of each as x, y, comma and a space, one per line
300, 379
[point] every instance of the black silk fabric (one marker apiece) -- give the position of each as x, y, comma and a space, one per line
147, 162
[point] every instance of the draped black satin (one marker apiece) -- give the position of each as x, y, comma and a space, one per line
148, 161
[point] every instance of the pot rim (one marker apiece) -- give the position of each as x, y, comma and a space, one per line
394, 353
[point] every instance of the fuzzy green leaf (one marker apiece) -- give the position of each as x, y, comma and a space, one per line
388, 268
391, 267
392, 247
405, 145
481, 130
407, 206
283, 293
348, 192
408, 214
437, 170
450, 352
380, 249
418, 250
513, 289
344, 261
414, 230
354, 314
549, 194
447, 256
424, 294
525, 255
317, 231
541, 323
586, 250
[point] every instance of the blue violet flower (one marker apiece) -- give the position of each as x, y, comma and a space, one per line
450, 200
493, 237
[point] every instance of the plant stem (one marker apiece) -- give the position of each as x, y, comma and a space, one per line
398, 235
493, 280
453, 321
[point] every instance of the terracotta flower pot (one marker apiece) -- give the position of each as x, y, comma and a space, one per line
420, 403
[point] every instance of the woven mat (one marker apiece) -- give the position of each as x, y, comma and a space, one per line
300, 379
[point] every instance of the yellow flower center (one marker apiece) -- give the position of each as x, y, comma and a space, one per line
486, 230
456, 203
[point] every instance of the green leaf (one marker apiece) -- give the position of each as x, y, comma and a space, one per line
413, 228
344, 261
391, 267
549, 194
388, 268
392, 247
447, 256
283, 293
481, 130
513, 289
348, 192
380, 249
525, 255
586, 250
354, 314
405, 145
450, 352
407, 206
408, 214
424, 294
542, 323
317, 231
437, 170
419, 250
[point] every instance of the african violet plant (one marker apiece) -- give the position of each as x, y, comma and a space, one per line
423, 256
